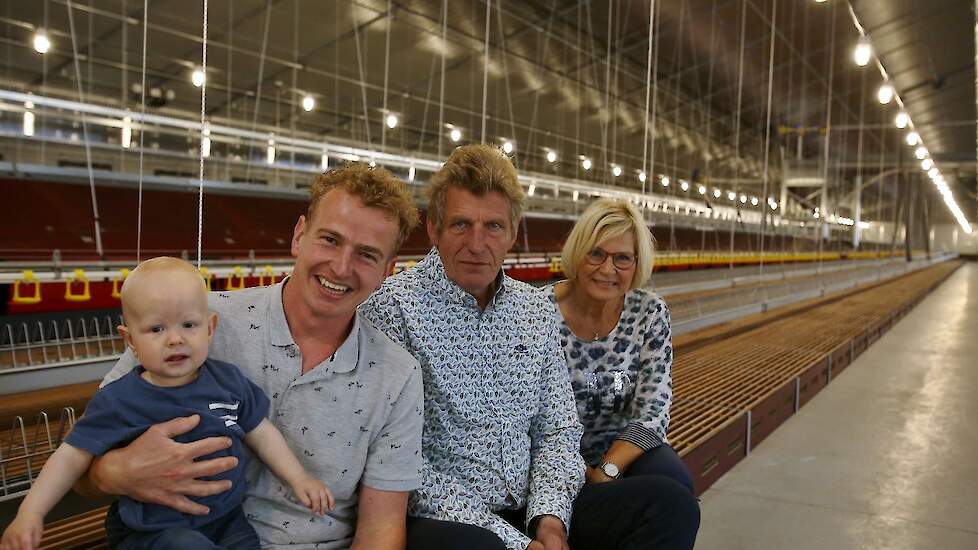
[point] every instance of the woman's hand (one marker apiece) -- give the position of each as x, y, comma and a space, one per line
597, 475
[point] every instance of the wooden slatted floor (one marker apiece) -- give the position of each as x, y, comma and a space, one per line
733, 384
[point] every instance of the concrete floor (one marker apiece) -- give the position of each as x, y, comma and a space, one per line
885, 457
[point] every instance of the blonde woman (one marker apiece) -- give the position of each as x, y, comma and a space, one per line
618, 344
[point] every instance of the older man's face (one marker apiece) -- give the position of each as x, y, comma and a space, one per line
475, 236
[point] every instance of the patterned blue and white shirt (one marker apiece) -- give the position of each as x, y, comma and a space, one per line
500, 426
623, 382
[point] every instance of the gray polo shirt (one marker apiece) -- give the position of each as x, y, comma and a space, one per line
355, 418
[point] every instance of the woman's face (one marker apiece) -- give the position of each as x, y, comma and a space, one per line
607, 270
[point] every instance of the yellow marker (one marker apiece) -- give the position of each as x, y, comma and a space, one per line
266, 272
117, 283
26, 280
78, 277
236, 274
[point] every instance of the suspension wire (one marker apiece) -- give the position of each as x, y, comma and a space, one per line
230, 86
142, 134
485, 71
606, 119
879, 189
828, 132
541, 56
441, 94
387, 64
740, 96
427, 103
294, 106
648, 93
261, 78
363, 82
709, 94
502, 48
203, 105
44, 82
767, 131
84, 120
858, 191
655, 93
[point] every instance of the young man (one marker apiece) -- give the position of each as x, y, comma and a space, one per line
346, 398
502, 463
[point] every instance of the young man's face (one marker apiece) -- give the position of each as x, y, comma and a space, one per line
475, 236
342, 254
168, 326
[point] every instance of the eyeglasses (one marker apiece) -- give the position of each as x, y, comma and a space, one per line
620, 260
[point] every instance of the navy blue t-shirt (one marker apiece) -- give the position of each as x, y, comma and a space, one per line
228, 404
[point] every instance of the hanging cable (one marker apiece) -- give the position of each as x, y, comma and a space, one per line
648, 93
203, 105
441, 95
84, 120
261, 78
142, 133
655, 93
485, 70
740, 97
387, 65
828, 132
767, 131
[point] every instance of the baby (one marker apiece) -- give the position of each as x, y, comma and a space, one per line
169, 328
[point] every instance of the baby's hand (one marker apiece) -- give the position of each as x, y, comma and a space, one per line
24, 533
313, 493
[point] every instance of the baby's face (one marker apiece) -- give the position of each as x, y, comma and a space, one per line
169, 326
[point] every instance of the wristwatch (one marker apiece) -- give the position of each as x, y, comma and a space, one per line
610, 469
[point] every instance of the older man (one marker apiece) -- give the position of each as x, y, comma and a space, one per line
501, 436
346, 398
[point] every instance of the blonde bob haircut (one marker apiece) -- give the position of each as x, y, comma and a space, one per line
479, 169
606, 219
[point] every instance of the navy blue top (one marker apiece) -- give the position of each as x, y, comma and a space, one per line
228, 404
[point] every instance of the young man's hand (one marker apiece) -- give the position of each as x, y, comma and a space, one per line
155, 468
313, 494
24, 533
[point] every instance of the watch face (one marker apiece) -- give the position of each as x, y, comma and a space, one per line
610, 469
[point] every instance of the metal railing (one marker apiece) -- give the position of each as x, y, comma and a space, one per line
40, 343
25, 447
756, 294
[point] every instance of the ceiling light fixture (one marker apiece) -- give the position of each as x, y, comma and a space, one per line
885, 93
863, 52
41, 42
901, 120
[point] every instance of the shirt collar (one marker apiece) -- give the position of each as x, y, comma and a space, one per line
433, 267
345, 357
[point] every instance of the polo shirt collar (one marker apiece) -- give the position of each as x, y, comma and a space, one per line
345, 357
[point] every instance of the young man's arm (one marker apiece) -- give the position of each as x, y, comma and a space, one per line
381, 520
267, 442
61, 470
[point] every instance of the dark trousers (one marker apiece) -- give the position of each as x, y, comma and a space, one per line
230, 532
651, 507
